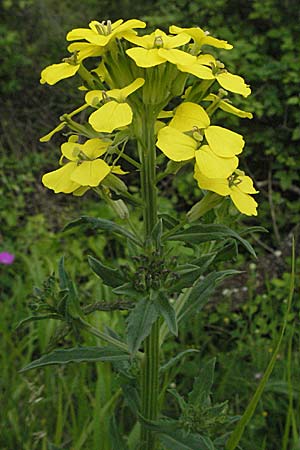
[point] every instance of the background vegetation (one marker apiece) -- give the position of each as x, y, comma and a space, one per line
70, 407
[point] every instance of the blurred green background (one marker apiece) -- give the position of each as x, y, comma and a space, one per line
59, 408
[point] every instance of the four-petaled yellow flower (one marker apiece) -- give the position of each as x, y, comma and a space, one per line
157, 48
201, 37
56, 72
237, 186
182, 140
84, 168
115, 112
100, 33
207, 67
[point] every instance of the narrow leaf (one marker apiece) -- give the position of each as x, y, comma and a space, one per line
165, 308
140, 323
102, 224
117, 441
198, 234
78, 355
202, 290
111, 277
173, 361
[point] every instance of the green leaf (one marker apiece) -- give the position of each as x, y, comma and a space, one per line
33, 318
238, 432
202, 290
102, 224
188, 273
198, 234
140, 322
202, 385
132, 397
78, 355
176, 359
111, 277
165, 308
180, 440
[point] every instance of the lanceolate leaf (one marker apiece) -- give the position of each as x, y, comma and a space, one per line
198, 234
78, 355
188, 273
202, 291
165, 308
111, 277
176, 359
140, 322
102, 224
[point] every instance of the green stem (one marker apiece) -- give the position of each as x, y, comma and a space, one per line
150, 364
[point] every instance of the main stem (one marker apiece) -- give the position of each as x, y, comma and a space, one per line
150, 365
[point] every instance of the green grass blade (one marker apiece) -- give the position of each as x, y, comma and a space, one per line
239, 429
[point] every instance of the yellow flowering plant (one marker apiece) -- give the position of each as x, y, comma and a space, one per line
161, 93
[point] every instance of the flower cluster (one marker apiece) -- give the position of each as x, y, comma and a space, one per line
135, 74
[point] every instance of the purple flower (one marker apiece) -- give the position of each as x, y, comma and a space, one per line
6, 258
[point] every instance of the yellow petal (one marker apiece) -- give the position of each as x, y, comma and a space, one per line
246, 185
85, 50
196, 33
223, 142
206, 59
145, 57
90, 173
48, 136
71, 150
146, 41
56, 72
175, 56
212, 166
117, 170
128, 25
214, 42
197, 69
110, 116
244, 202
93, 148
176, 145
176, 41
233, 83
60, 180
80, 33
218, 185
228, 107
94, 97
189, 115
122, 94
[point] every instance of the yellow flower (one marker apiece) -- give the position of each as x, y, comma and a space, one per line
157, 48
115, 113
178, 146
56, 72
237, 186
100, 33
206, 67
84, 168
224, 143
201, 37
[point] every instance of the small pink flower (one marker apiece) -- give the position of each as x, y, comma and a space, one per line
6, 258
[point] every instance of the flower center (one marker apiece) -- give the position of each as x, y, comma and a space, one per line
234, 180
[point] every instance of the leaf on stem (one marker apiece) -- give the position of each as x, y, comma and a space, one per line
140, 322
110, 277
78, 355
